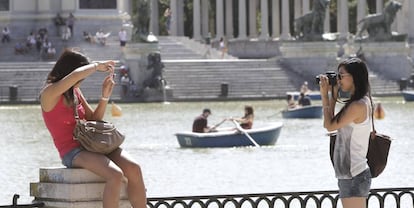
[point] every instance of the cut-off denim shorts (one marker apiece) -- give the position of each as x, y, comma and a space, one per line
358, 186
70, 156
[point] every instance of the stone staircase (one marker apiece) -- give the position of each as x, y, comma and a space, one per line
226, 79
183, 48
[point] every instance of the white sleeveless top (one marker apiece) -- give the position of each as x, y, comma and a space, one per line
351, 147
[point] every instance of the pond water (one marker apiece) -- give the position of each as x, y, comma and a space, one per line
298, 162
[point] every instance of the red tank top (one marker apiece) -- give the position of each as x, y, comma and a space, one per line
60, 122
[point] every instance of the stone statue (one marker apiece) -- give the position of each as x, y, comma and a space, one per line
140, 20
378, 25
309, 27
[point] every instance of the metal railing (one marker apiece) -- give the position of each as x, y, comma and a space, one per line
378, 198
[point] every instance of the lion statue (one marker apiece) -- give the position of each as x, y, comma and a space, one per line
309, 27
378, 26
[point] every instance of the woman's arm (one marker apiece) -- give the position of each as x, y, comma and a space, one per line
356, 112
50, 95
99, 112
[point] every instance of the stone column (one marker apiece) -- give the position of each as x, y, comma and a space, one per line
196, 20
298, 9
275, 18
343, 19
154, 26
174, 18
242, 20
204, 18
361, 12
252, 18
380, 5
180, 17
327, 23
219, 19
305, 6
411, 26
265, 20
285, 20
229, 19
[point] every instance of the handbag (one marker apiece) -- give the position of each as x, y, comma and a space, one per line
96, 136
378, 149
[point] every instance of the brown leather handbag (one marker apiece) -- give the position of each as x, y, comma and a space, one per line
97, 136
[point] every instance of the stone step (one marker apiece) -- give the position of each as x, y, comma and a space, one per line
74, 187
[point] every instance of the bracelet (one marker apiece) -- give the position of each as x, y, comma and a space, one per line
105, 98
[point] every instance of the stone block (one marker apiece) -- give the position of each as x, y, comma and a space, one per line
71, 187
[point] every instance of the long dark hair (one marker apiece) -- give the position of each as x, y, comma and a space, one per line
359, 72
249, 110
67, 62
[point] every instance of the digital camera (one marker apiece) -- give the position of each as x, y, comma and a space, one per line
331, 76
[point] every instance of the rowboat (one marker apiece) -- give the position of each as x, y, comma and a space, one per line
266, 135
313, 95
408, 95
303, 112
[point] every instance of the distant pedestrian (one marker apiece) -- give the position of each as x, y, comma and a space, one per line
122, 35
167, 15
70, 21
5, 35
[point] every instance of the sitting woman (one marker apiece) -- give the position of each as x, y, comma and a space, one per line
246, 122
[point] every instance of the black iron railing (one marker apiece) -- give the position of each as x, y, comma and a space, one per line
378, 198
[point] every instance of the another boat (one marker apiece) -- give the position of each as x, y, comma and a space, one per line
408, 95
314, 95
312, 111
266, 135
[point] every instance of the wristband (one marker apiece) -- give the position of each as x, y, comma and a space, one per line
105, 98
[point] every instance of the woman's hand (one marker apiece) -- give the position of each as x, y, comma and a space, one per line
105, 66
108, 85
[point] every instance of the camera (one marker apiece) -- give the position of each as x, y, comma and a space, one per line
331, 76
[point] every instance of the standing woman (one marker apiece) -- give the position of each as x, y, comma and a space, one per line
57, 103
353, 126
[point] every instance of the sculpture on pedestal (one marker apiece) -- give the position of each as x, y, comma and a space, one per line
309, 27
140, 20
378, 26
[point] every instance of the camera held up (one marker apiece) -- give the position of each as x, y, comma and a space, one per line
331, 76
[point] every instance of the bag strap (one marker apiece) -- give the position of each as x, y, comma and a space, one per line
75, 106
372, 112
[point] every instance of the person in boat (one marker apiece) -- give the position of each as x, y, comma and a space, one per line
304, 88
246, 122
353, 125
304, 100
58, 104
291, 104
200, 122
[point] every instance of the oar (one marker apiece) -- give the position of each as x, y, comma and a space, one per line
245, 133
221, 122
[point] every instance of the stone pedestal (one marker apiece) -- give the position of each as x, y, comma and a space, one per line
136, 57
309, 49
71, 188
309, 59
390, 59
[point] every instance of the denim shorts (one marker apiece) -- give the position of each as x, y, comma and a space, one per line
358, 186
70, 156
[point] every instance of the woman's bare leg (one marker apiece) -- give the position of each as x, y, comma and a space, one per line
132, 171
104, 167
354, 202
